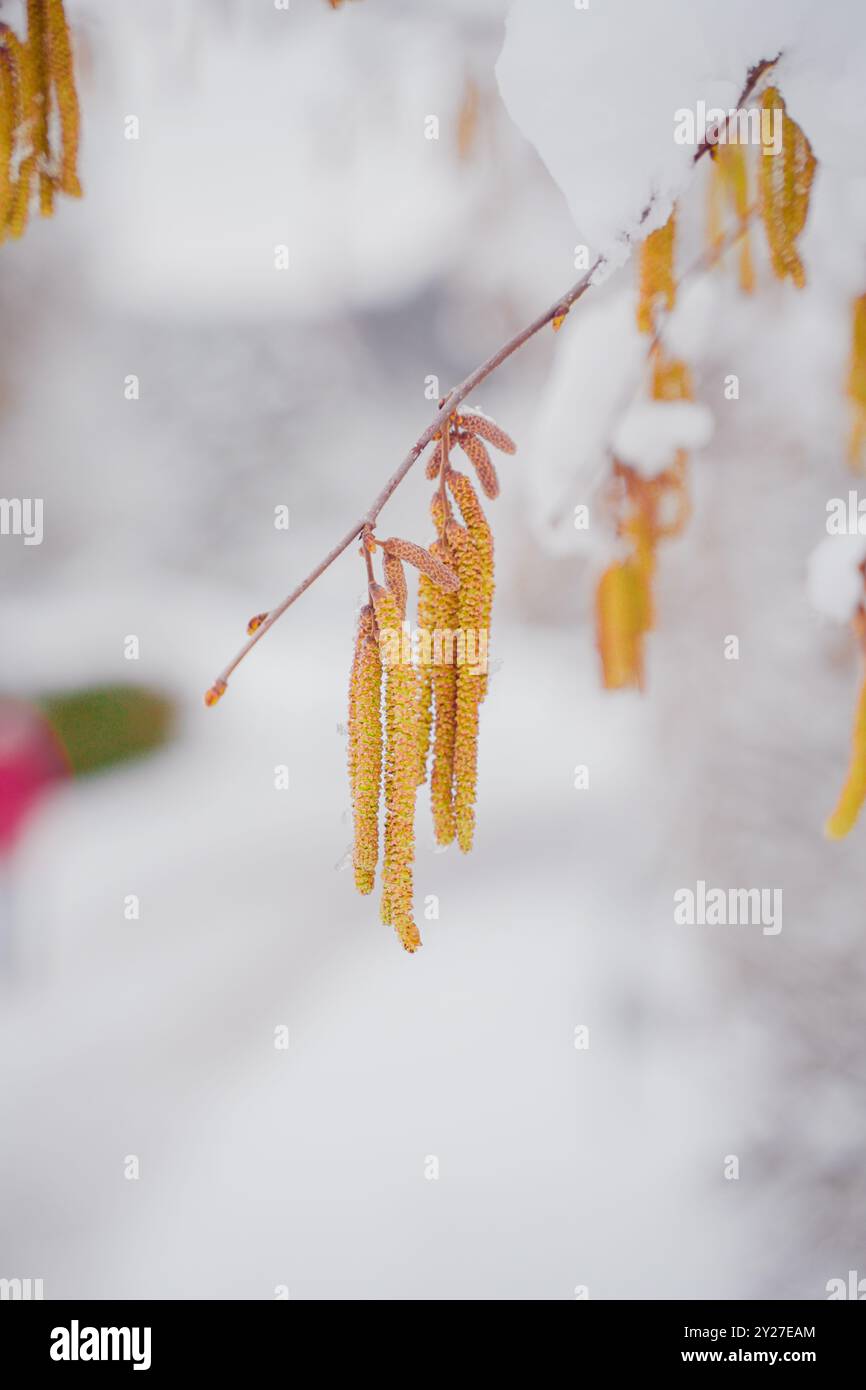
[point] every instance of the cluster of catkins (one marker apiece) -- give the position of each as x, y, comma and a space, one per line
39, 119
425, 721
624, 600
649, 510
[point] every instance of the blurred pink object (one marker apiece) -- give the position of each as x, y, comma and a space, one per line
30, 761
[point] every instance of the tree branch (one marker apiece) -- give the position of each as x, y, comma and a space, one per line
459, 393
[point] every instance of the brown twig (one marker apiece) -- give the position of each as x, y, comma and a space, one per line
753, 77
452, 400
443, 464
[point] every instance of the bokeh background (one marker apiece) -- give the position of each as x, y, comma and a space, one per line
559, 1167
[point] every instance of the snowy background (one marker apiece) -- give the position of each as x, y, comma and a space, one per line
409, 257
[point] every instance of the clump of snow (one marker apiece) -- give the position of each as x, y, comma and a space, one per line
651, 432
597, 90
694, 319
833, 581
596, 370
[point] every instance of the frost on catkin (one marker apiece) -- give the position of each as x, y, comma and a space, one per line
482, 425
365, 750
401, 772
785, 184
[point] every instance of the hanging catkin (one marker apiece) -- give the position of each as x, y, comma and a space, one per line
427, 595
365, 750
10, 117
17, 219
483, 464
439, 513
59, 58
857, 382
656, 283
431, 467
854, 791
474, 423
395, 578
472, 547
425, 715
729, 188
37, 96
422, 559
468, 687
401, 772
40, 109
785, 184
621, 621
477, 601
445, 672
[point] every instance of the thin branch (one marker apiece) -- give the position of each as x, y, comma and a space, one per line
753, 77
443, 466
439, 422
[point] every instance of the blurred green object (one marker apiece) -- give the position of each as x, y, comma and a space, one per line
103, 725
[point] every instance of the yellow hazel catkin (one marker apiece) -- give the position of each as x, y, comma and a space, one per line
365, 750
785, 185
482, 462
422, 559
468, 693
621, 621
730, 176
8, 126
480, 603
40, 98
395, 578
488, 429
59, 59
429, 596
17, 217
857, 382
853, 793
431, 467
401, 772
472, 547
444, 680
657, 285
